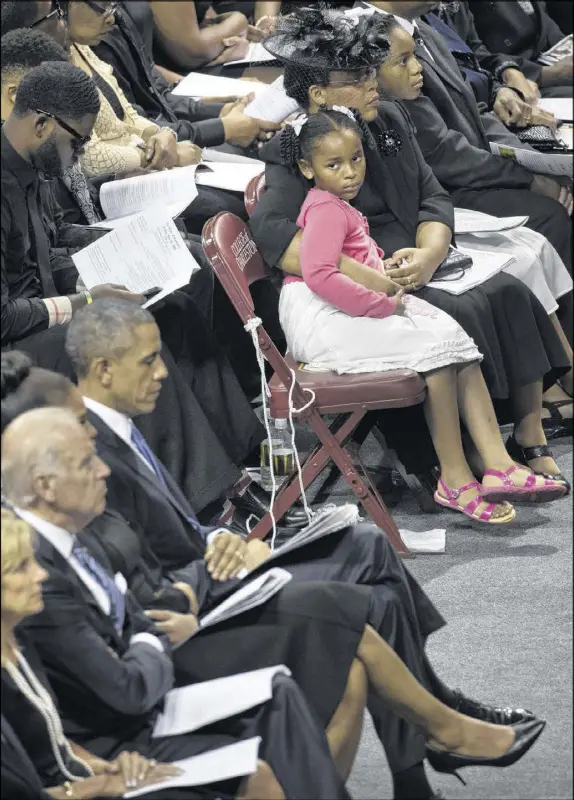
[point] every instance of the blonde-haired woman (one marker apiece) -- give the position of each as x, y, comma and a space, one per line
28, 705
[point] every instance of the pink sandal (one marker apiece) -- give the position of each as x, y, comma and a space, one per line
528, 493
448, 498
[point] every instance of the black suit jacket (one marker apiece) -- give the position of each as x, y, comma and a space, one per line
399, 193
463, 22
506, 28
452, 133
103, 684
134, 492
144, 575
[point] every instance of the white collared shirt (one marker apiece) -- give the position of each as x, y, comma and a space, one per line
120, 424
63, 541
408, 25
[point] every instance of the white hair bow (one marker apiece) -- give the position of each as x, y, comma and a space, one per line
298, 123
343, 110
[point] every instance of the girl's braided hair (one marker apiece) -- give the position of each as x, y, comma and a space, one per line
295, 147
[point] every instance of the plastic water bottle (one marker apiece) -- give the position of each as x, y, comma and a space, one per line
283, 455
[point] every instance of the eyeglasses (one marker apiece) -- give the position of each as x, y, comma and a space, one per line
55, 12
79, 141
102, 10
365, 75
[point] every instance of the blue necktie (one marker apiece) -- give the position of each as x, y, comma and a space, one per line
147, 453
103, 579
462, 53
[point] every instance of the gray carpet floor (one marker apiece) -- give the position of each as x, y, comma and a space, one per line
507, 597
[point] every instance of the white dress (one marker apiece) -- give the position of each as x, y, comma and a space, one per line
423, 339
536, 262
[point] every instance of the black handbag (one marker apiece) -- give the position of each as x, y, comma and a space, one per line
453, 267
541, 138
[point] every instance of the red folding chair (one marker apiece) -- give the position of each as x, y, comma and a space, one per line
228, 244
255, 189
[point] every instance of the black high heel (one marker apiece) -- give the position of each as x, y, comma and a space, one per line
525, 736
525, 454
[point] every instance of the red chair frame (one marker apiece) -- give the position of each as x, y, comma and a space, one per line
228, 245
253, 193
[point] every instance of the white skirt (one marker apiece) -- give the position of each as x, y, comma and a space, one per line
537, 264
423, 339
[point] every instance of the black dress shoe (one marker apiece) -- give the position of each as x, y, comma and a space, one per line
524, 737
486, 713
255, 500
525, 454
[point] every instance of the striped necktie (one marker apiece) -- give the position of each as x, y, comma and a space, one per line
107, 583
149, 457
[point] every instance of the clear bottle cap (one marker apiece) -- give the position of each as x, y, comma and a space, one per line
281, 424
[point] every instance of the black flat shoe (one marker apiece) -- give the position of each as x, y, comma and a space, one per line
255, 500
495, 714
525, 454
524, 737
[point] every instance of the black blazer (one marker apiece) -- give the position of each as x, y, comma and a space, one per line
452, 133
101, 682
135, 493
19, 779
506, 28
462, 22
399, 193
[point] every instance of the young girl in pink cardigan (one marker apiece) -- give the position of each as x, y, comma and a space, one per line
336, 323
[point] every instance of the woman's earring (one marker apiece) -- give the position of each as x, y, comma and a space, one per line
389, 142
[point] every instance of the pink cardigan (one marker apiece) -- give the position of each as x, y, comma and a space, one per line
331, 227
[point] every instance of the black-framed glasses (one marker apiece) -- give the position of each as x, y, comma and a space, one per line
365, 75
79, 141
55, 12
106, 11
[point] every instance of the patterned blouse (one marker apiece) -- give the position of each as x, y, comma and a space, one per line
113, 146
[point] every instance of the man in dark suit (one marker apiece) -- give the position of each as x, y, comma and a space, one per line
456, 23
455, 136
525, 30
109, 666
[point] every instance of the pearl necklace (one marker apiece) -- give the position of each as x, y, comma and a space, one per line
36, 694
